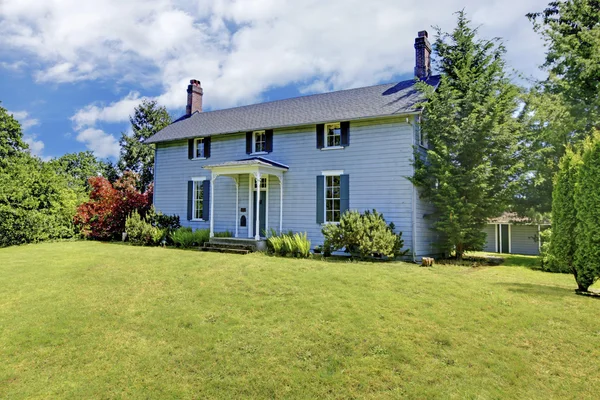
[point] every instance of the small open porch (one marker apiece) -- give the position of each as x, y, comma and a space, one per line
255, 213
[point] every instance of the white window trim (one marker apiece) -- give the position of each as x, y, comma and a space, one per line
265, 191
421, 137
196, 180
333, 172
325, 130
196, 149
326, 174
254, 152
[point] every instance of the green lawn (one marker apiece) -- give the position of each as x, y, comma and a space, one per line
94, 320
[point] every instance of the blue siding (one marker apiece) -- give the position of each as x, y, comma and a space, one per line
378, 161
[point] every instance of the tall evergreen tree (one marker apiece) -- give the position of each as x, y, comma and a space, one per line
564, 215
148, 119
471, 165
587, 204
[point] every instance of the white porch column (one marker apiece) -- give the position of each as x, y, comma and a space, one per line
280, 204
257, 226
212, 204
237, 205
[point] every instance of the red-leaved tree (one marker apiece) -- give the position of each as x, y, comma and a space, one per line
103, 217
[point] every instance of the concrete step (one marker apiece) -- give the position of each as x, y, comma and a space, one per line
233, 241
230, 246
225, 250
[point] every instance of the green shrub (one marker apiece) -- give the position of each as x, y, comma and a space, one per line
225, 234
363, 235
547, 259
295, 245
141, 232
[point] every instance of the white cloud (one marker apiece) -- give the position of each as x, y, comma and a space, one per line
13, 66
24, 119
114, 112
101, 143
36, 147
241, 48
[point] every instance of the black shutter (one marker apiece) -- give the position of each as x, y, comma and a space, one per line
345, 128
320, 136
269, 139
320, 199
205, 200
344, 193
190, 148
207, 147
248, 142
190, 199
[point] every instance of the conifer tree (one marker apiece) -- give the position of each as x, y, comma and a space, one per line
136, 156
564, 214
471, 164
587, 204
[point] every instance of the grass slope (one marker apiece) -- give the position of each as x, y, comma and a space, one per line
94, 320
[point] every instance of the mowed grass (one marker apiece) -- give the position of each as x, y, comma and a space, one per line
95, 320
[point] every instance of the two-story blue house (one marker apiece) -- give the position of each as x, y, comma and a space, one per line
298, 163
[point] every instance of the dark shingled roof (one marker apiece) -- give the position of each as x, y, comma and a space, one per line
372, 101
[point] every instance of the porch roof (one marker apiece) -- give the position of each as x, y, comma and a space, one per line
248, 165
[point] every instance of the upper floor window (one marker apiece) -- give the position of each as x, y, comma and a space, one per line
260, 142
333, 135
199, 148
420, 134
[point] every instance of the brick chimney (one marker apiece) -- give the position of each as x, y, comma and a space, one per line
194, 99
423, 56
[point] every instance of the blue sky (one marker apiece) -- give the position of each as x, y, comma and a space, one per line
73, 70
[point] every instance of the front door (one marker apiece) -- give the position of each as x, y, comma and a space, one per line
262, 211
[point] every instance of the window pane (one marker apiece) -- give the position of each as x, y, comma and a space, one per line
199, 148
336, 216
199, 197
259, 141
336, 205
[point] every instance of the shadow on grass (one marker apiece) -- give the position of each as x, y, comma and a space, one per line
516, 260
532, 289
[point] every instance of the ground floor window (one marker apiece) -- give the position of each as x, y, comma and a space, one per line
198, 203
332, 198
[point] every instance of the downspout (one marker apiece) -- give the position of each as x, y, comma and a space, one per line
154, 179
414, 199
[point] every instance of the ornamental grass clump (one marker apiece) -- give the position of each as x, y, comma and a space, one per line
292, 244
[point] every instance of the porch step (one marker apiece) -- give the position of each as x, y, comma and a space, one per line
225, 250
233, 246
232, 241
